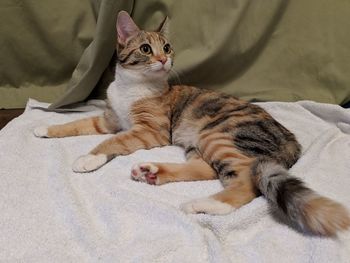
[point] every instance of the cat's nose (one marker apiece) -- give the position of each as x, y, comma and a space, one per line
162, 60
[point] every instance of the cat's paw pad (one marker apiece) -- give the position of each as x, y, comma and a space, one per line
145, 172
41, 131
88, 163
207, 206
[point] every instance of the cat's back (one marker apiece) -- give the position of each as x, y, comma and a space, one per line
200, 103
198, 113
194, 110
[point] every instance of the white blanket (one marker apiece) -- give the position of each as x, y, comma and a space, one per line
50, 214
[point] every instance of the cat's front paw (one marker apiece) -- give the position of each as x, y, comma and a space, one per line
145, 172
88, 163
41, 132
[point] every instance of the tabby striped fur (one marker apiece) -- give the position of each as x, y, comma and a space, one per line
224, 138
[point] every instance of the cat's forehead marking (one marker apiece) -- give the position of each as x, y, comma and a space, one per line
154, 37
149, 37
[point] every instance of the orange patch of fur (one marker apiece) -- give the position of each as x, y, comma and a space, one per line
87, 126
192, 170
239, 190
325, 217
237, 195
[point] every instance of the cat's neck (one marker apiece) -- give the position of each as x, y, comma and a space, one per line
129, 87
128, 79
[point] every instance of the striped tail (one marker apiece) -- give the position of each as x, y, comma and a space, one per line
301, 205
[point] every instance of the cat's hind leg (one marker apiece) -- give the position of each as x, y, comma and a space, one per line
160, 173
237, 192
234, 171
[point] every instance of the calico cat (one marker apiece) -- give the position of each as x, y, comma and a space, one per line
224, 138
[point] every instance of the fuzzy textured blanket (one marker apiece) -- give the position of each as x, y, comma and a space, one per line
51, 214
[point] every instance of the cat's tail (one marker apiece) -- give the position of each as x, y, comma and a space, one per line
300, 204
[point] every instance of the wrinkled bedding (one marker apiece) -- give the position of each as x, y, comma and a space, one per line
50, 214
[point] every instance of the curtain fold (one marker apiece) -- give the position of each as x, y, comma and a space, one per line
62, 52
97, 55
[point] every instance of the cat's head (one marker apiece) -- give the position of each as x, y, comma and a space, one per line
147, 53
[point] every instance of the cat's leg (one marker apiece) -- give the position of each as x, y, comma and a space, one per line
87, 126
237, 192
122, 143
106, 123
234, 171
160, 173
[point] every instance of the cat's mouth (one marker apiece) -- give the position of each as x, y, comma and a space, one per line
160, 68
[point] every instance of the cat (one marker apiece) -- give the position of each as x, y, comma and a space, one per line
223, 137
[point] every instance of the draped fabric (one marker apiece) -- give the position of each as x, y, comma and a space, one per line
62, 52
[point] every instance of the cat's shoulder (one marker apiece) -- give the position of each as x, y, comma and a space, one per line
185, 89
179, 88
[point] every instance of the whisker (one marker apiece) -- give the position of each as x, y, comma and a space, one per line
176, 75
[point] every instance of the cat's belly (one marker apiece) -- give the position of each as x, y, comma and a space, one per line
185, 135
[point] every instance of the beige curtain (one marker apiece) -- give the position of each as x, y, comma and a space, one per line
62, 52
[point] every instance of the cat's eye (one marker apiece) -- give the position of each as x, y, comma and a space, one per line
146, 49
167, 48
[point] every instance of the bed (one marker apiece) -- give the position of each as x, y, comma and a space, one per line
51, 214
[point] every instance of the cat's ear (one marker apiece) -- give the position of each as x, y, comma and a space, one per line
164, 27
126, 27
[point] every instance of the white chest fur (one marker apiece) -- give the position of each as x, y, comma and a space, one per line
128, 88
121, 99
